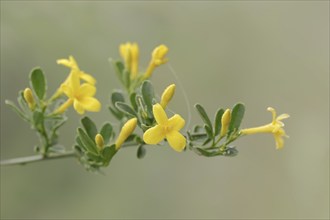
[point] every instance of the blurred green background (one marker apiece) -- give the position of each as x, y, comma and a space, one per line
262, 53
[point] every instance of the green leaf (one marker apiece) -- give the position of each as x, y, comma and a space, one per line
141, 152
126, 109
119, 69
106, 132
117, 96
57, 148
93, 157
89, 126
126, 79
237, 115
148, 95
17, 110
116, 113
217, 121
208, 153
38, 120
38, 82
80, 144
231, 152
133, 101
108, 153
204, 116
206, 141
197, 128
208, 131
22, 103
197, 136
87, 142
58, 123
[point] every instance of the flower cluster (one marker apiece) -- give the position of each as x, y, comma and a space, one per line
79, 95
137, 106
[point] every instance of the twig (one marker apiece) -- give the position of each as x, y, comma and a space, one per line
35, 158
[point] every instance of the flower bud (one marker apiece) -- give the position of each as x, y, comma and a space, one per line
28, 96
167, 95
99, 141
157, 58
130, 53
158, 55
126, 131
225, 120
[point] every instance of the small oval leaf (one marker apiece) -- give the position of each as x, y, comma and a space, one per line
148, 95
237, 115
38, 82
89, 126
204, 116
106, 132
123, 107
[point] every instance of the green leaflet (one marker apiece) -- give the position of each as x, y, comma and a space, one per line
217, 122
141, 152
89, 127
148, 95
204, 116
87, 142
126, 109
237, 115
38, 82
106, 132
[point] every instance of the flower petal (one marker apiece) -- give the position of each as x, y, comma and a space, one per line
176, 140
159, 114
74, 81
90, 104
87, 77
64, 62
78, 107
64, 106
283, 116
73, 62
176, 122
154, 135
66, 89
279, 141
87, 90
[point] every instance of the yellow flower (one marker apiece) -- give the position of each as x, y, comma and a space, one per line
28, 96
99, 141
130, 54
81, 96
125, 132
157, 58
166, 128
71, 63
167, 95
275, 127
225, 120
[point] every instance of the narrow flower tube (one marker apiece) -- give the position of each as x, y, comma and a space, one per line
99, 141
167, 95
225, 120
130, 54
158, 58
28, 96
134, 60
126, 131
275, 128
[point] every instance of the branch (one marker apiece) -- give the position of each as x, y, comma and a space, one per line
35, 158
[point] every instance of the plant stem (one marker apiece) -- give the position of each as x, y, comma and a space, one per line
35, 158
